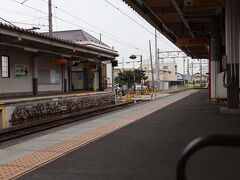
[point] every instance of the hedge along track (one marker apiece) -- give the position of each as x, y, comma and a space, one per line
49, 123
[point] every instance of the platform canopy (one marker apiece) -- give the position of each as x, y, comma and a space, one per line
21, 40
186, 23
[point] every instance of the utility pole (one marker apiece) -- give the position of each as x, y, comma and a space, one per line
123, 63
158, 69
50, 17
157, 61
153, 82
188, 70
184, 76
201, 72
192, 71
141, 75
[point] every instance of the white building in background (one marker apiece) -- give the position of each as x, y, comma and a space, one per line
167, 72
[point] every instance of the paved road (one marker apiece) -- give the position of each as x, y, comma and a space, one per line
150, 147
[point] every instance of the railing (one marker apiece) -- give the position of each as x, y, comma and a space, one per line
201, 142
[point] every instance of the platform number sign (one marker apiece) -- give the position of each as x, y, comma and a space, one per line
199, 4
188, 2
79, 75
20, 70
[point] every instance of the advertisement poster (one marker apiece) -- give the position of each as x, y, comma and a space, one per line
20, 70
79, 75
55, 76
52, 76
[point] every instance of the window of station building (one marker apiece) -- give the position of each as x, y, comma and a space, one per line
165, 67
5, 67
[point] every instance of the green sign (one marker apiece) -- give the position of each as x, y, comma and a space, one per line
20, 70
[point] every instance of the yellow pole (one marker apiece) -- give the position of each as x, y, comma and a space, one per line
3, 122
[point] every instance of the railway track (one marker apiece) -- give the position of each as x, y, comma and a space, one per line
45, 124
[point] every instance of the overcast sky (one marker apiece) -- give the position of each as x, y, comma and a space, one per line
119, 25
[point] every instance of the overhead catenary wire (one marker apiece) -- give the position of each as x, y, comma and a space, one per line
7, 21
103, 32
125, 14
18, 13
24, 1
30, 24
74, 24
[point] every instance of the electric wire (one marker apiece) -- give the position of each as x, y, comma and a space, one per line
113, 39
7, 21
18, 13
31, 24
134, 21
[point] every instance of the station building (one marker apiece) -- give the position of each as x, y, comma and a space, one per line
36, 63
57, 72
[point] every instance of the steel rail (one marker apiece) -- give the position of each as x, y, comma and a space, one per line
49, 123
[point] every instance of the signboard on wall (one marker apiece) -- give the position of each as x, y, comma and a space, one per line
192, 42
79, 75
199, 4
55, 76
52, 76
20, 70
58, 61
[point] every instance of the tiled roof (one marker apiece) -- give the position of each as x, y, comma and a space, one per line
46, 36
76, 36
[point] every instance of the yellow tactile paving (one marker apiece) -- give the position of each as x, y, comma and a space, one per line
31, 161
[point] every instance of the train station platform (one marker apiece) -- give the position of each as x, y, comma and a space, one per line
23, 99
141, 142
14, 111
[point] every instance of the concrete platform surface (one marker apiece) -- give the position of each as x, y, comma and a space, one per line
150, 148
52, 144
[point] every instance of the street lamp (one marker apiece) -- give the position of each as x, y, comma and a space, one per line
134, 57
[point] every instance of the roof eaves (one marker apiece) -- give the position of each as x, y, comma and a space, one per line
45, 36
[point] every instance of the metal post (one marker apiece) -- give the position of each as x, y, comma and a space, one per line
133, 65
134, 78
232, 50
113, 80
153, 82
184, 76
158, 77
35, 77
215, 54
201, 72
141, 75
157, 61
50, 17
192, 71
188, 70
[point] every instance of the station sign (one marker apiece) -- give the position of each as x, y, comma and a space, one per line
20, 70
58, 61
198, 4
192, 42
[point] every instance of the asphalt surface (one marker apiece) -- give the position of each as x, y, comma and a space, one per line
150, 148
